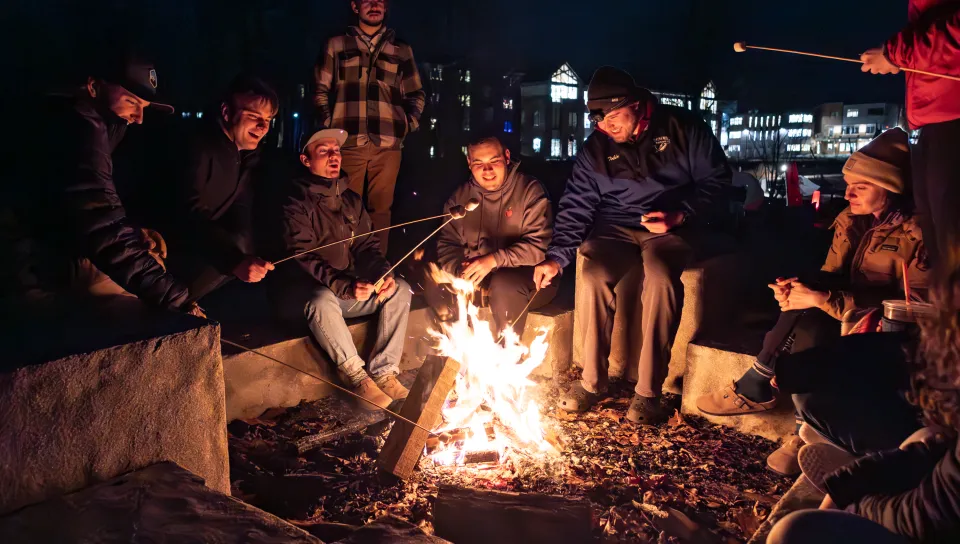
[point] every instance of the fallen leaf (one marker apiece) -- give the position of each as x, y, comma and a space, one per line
676, 420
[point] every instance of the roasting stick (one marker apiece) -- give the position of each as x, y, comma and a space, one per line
906, 283
741, 47
328, 382
453, 211
457, 212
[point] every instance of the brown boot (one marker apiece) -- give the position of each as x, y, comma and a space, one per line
784, 459
727, 402
392, 387
368, 389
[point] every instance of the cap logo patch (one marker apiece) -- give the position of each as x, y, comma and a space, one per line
153, 78
661, 143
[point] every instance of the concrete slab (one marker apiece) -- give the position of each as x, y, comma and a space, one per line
79, 419
161, 503
710, 368
254, 384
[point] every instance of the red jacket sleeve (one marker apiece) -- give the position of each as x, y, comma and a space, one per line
932, 44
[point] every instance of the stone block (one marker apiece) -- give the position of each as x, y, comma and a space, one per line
160, 503
711, 290
70, 422
712, 368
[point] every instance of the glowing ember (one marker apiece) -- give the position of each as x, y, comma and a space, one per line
493, 388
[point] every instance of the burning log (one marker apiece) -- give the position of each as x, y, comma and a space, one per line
467, 516
404, 445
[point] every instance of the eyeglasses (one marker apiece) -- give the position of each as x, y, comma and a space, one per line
597, 116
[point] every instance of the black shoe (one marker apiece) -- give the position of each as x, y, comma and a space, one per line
646, 411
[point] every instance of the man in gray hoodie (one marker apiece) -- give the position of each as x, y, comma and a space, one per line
497, 246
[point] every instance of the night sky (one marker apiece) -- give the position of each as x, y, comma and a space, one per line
671, 45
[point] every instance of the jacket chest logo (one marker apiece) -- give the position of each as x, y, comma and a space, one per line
660, 143
509, 212
612, 158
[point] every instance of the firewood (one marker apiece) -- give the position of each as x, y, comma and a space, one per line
307, 443
468, 516
404, 445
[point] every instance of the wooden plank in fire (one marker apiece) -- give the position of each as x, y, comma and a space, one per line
473, 516
404, 445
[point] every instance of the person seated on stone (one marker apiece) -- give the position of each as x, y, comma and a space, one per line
210, 231
78, 241
875, 239
339, 282
497, 245
638, 206
899, 495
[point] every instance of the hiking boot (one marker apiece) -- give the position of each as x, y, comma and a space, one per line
817, 461
784, 459
392, 387
646, 411
368, 389
577, 399
727, 402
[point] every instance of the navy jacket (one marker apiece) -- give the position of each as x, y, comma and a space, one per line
676, 164
71, 209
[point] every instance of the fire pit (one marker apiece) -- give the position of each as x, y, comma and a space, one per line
496, 428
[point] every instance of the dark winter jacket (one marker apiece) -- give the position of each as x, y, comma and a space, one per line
930, 42
913, 492
513, 223
676, 164
317, 211
72, 211
215, 200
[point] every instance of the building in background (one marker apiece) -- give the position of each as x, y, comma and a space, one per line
755, 136
554, 120
845, 128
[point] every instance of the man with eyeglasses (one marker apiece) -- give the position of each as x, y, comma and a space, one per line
367, 84
638, 207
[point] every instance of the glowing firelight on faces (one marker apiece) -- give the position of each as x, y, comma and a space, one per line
493, 381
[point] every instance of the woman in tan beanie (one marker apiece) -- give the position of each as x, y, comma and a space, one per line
875, 238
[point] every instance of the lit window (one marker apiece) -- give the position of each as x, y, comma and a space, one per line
571, 147
555, 147
464, 150
724, 137
565, 75
185, 114
432, 152
807, 118
508, 103
778, 120
863, 129
736, 122
807, 132
507, 126
671, 101
586, 120
572, 119
708, 97
433, 123
200, 115
734, 148
853, 113
584, 97
805, 148
466, 77
795, 118
536, 145
735, 135
465, 100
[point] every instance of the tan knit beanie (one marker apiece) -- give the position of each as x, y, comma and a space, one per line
884, 162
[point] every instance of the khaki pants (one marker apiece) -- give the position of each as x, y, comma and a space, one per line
640, 271
374, 169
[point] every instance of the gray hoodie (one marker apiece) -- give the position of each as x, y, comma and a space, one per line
514, 223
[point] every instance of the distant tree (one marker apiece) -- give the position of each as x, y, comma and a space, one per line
768, 150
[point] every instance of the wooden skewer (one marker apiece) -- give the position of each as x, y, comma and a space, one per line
741, 47
906, 283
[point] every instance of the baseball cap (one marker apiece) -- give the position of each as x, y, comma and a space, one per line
136, 74
338, 134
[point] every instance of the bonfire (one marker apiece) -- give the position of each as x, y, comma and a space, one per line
491, 410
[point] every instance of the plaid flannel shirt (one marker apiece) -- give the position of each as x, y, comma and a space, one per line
370, 87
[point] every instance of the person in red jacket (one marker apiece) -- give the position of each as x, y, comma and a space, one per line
931, 42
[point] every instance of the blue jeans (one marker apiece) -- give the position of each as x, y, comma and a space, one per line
829, 527
326, 314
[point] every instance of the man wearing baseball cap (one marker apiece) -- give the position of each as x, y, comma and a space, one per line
81, 240
645, 188
335, 283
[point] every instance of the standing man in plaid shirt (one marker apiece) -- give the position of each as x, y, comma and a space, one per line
369, 86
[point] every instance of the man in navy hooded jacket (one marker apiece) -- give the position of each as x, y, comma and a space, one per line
638, 207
